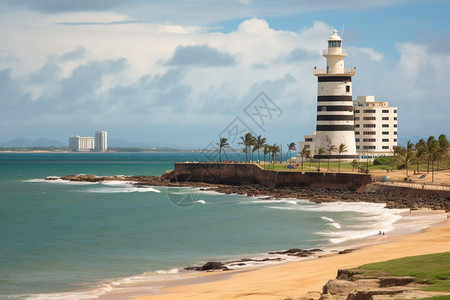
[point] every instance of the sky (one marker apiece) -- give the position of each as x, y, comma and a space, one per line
186, 72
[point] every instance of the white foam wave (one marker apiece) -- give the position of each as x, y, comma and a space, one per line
34, 180
119, 285
200, 201
61, 181
331, 222
133, 189
290, 201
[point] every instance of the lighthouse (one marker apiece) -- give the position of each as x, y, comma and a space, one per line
335, 121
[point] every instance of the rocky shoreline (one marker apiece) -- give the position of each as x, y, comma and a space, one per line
394, 197
354, 284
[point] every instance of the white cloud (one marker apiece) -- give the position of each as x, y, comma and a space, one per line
143, 76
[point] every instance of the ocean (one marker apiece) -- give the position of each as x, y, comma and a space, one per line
70, 240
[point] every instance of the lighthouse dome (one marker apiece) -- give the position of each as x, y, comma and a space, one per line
335, 36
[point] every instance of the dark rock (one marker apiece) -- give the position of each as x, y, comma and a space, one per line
345, 251
212, 265
395, 281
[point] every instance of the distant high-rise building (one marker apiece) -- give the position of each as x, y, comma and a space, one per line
101, 140
80, 143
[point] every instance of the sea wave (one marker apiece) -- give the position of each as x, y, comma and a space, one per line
58, 180
131, 189
331, 222
148, 282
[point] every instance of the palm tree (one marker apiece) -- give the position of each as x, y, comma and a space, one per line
405, 155
266, 150
409, 155
247, 141
258, 144
427, 148
320, 151
444, 145
291, 147
330, 149
418, 155
275, 150
435, 155
305, 153
223, 143
342, 148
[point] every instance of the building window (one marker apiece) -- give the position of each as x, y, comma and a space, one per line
395, 140
369, 118
357, 147
369, 140
395, 132
369, 132
347, 88
385, 118
357, 140
395, 118
385, 111
306, 146
308, 140
369, 111
356, 118
369, 147
395, 111
385, 147
385, 140
395, 125
385, 125
357, 111
356, 125
356, 132
369, 125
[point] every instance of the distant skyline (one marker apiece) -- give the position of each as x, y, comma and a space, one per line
183, 72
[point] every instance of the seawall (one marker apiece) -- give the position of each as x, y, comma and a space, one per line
241, 173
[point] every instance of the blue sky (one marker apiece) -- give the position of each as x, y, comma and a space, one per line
183, 72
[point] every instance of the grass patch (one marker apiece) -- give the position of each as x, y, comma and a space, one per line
444, 297
432, 269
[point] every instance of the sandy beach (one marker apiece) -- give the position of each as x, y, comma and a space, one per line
295, 280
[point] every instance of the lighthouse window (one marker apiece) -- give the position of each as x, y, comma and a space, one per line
334, 44
347, 88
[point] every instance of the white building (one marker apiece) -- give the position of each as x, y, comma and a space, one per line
309, 143
80, 143
101, 141
335, 123
375, 127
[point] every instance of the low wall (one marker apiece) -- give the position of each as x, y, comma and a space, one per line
237, 173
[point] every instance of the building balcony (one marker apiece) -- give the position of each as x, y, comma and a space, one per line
347, 71
334, 51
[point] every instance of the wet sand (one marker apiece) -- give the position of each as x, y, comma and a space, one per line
296, 279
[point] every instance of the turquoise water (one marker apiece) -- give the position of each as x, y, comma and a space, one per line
59, 237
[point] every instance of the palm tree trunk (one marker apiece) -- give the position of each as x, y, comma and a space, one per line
432, 171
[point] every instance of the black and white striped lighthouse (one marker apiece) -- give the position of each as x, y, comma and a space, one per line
335, 122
